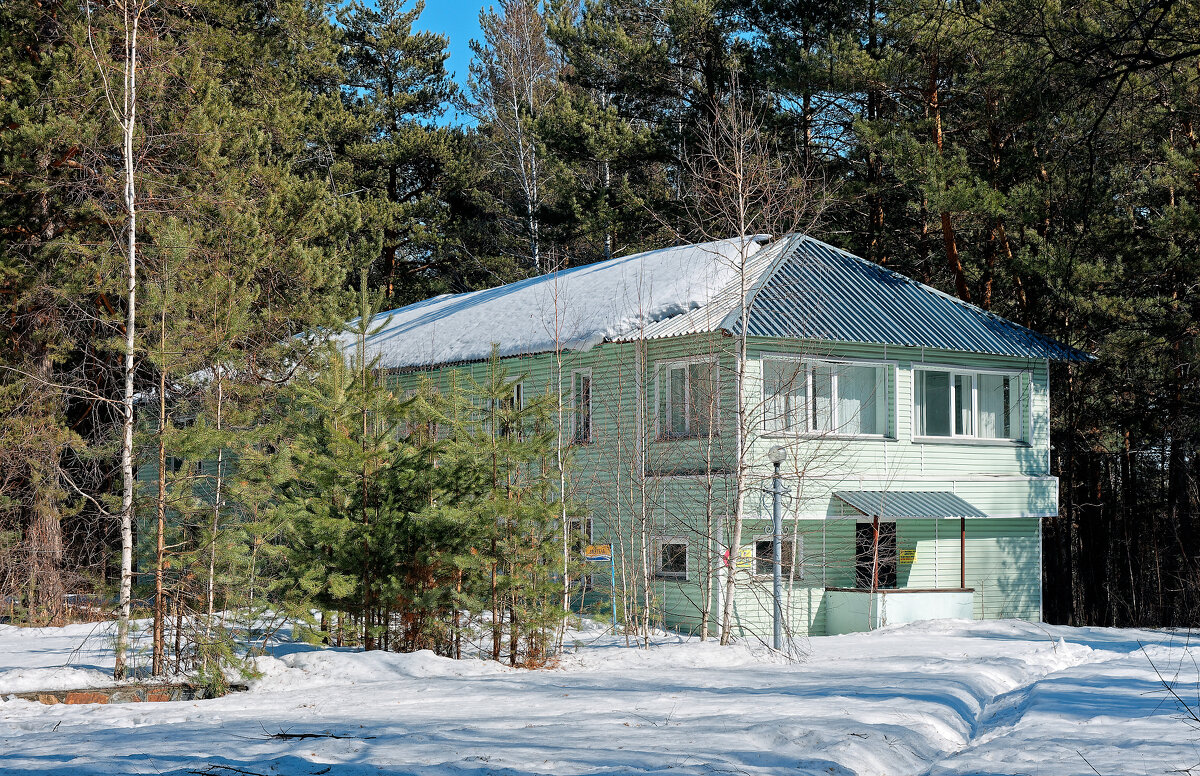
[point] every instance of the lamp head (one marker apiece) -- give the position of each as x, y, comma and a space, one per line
777, 454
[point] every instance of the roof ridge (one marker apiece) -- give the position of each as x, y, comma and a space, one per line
785, 244
913, 281
988, 334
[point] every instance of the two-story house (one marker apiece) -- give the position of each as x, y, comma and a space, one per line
912, 429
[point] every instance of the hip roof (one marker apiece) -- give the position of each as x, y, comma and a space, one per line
795, 287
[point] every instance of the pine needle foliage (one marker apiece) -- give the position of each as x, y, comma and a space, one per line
426, 521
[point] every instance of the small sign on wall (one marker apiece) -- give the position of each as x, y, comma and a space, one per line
596, 553
908, 555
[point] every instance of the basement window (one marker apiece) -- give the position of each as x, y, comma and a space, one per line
764, 558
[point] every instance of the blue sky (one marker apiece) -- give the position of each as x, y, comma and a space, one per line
459, 21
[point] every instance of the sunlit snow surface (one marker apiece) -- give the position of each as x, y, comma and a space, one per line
948, 697
574, 309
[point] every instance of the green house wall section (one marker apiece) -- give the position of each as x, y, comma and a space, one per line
690, 481
1003, 568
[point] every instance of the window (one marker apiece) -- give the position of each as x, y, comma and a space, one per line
982, 405
419, 426
688, 400
826, 397
864, 556
510, 410
672, 559
514, 401
764, 558
581, 407
786, 395
996, 396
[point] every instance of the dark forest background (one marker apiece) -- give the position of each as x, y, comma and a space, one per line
1041, 160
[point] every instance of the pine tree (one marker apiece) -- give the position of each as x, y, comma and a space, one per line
514, 446
339, 509
390, 155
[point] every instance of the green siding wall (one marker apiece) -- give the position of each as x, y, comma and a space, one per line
689, 479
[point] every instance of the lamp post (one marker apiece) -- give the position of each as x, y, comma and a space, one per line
777, 456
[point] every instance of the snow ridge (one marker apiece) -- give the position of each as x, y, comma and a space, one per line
944, 698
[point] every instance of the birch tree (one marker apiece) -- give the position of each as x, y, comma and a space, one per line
742, 186
122, 100
513, 78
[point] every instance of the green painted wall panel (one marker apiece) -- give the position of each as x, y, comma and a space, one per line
1003, 479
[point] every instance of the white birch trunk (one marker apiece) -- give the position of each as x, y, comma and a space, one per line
128, 118
741, 464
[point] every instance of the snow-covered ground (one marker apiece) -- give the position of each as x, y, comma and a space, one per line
946, 697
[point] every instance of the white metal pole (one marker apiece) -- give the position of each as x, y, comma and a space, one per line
777, 555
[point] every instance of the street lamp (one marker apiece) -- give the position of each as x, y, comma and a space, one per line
777, 455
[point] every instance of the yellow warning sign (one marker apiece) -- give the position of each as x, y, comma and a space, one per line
597, 552
908, 555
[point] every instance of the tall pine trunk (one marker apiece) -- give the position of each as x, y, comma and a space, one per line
949, 239
215, 525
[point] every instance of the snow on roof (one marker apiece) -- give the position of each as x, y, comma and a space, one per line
795, 287
725, 307
575, 309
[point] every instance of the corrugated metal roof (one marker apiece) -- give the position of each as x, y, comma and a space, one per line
725, 306
801, 287
898, 504
819, 292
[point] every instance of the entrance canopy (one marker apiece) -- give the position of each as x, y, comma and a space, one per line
902, 504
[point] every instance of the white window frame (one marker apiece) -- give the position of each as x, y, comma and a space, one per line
1023, 379
797, 557
662, 397
890, 369
672, 576
516, 403
591, 430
